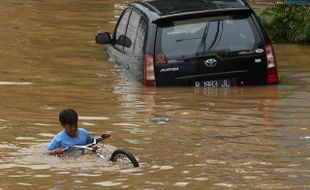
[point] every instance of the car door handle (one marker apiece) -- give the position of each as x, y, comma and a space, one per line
127, 66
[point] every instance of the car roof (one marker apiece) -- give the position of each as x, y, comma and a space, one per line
160, 9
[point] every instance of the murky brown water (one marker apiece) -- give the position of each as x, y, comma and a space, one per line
185, 138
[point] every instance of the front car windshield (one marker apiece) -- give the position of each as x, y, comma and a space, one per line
226, 34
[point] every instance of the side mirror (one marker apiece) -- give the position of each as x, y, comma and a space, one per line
127, 42
124, 41
103, 38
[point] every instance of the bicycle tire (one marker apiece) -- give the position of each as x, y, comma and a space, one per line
121, 151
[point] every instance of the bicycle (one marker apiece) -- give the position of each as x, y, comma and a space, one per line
120, 155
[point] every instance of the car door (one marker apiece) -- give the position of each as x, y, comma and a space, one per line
136, 32
116, 50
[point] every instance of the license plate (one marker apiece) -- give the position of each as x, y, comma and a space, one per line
223, 83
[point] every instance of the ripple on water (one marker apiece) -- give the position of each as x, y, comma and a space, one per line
200, 178
223, 184
24, 138
188, 154
39, 167
42, 176
155, 167
131, 170
24, 184
86, 175
46, 134
14, 83
305, 137
94, 118
162, 167
127, 124
18, 176
132, 141
122, 179
8, 166
250, 177
181, 184
240, 171
63, 173
215, 162
108, 183
87, 124
42, 124
8, 146
166, 167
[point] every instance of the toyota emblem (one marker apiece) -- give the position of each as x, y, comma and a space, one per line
210, 62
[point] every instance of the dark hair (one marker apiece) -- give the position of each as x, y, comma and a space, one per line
68, 116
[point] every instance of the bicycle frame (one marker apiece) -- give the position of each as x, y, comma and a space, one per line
91, 146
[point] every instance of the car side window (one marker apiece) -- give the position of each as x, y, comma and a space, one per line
131, 33
121, 30
141, 34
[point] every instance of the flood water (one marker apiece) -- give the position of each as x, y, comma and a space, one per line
184, 138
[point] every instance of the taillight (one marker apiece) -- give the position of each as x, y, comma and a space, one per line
272, 73
149, 73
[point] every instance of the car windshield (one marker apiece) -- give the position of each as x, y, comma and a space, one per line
225, 34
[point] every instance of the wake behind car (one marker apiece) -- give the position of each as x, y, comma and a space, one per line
208, 43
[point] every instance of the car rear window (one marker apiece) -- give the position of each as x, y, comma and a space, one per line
220, 34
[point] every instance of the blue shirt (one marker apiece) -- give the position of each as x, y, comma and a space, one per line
62, 140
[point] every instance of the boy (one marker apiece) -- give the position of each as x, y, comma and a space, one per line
71, 135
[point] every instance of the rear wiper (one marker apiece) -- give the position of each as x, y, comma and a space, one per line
204, 37
216, 35
245, 52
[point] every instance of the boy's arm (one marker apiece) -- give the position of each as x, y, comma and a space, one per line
54, 147
56, 151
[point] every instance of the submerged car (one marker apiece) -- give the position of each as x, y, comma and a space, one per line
208, 43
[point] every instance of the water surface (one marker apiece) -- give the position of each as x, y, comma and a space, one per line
185, 138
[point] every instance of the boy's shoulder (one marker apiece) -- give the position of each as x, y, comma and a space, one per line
59, 135
83, 130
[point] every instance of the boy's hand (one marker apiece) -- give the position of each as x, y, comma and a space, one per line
58, 151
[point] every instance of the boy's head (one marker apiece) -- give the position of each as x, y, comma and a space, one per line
69, 121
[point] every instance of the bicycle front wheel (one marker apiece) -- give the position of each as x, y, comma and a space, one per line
124, 158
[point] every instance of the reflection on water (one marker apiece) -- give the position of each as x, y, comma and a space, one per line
185, 138
14, 83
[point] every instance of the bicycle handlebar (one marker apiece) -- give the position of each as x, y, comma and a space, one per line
105, 135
